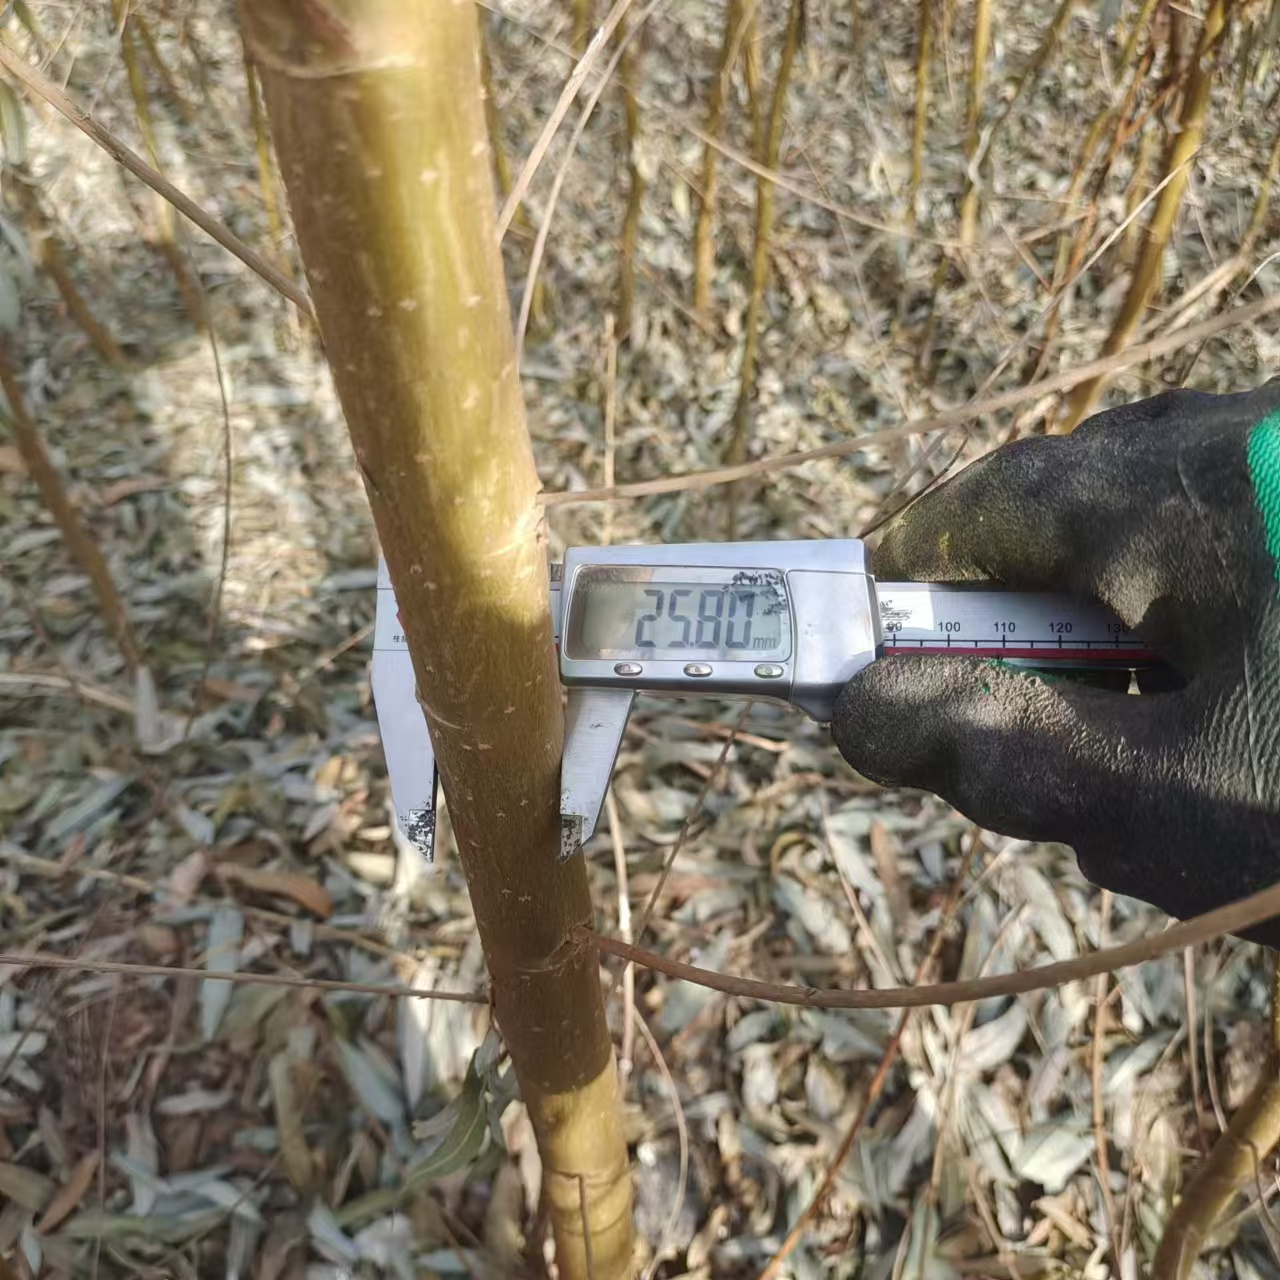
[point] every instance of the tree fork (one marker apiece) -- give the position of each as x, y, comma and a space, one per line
376, 112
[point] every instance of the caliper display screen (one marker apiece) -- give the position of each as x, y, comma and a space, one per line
673, 614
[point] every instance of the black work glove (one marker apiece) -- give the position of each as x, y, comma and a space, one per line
1168, 512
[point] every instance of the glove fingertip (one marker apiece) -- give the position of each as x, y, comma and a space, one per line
898, 720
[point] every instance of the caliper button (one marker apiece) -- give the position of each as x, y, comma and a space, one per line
769, 671
696, 669
628, 669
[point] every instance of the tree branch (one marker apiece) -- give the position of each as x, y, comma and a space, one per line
1229, 919
43, 87
1137, 353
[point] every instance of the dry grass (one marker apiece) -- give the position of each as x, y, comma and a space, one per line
188, 1128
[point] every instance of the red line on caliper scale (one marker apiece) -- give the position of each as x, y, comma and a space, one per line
1049, 653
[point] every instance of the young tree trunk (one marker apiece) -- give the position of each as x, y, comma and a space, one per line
924, 65
704, 252
376, 112
1149, 273
769, 147
973, 134
629, 72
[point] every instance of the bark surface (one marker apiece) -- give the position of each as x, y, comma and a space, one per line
376, 111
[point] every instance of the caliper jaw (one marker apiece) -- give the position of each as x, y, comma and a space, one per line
594, 722
411, 761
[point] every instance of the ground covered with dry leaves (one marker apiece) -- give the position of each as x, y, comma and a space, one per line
233, 815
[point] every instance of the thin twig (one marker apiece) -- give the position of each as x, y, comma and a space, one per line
1232, 1164
80, 543
42, 86
544, 226
682, 1132
962, 1024
561, 109
656, 893
875, 1088
46, 960
1138, 353
1210, 1065
610, 420
1240, 915
1193, 1045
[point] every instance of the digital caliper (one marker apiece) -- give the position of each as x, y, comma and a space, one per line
788, 622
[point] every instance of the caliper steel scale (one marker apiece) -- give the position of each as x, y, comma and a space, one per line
788, 622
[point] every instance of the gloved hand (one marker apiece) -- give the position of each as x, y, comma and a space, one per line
1167, 511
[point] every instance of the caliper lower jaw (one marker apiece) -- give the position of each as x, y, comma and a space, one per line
594, 722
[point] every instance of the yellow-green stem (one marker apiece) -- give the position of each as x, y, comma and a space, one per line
978, 52
1140, 25
1031, 72
1184, 144
582, 20
1232, 1165
1070, 251
768, 157
1258, 222
629, 70
266, 165
376, 112
158, 64
1139, 185
924, 65
165, 223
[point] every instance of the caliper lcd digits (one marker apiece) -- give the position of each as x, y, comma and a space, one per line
790, 622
